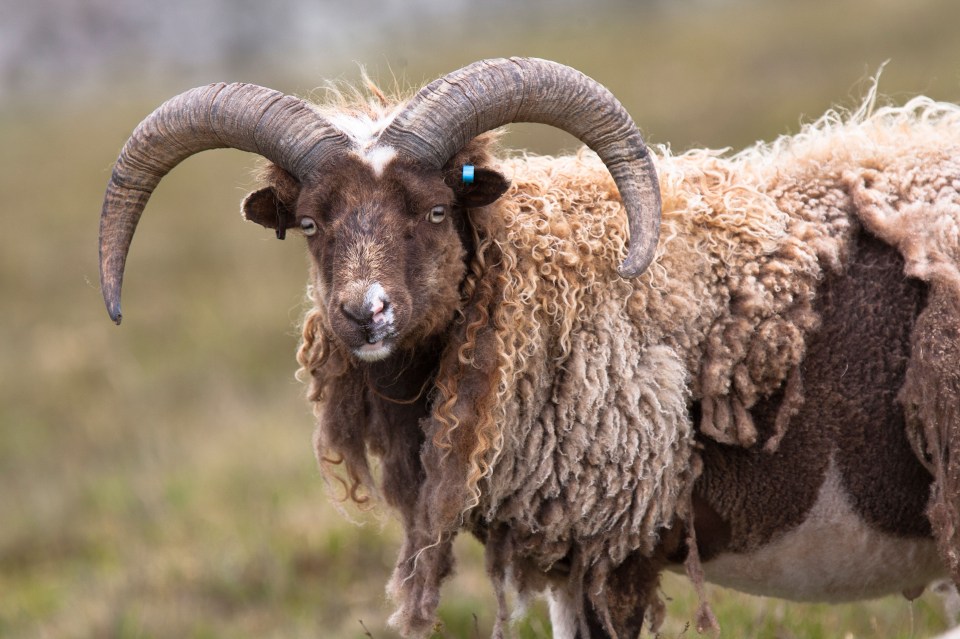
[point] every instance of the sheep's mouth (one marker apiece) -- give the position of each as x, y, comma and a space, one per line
376, 351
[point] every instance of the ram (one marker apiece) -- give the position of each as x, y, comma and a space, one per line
766, 390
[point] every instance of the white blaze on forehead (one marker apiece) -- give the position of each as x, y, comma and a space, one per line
379, 157
359, 127
364, 130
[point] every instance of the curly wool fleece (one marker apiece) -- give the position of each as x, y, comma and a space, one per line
592, 437
582, 446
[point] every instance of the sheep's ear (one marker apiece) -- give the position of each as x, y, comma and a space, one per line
485, 187
267, 209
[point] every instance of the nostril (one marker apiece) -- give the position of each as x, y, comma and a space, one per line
379, 313
373, 312
355, 313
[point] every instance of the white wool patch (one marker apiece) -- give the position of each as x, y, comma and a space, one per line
833, 556
364, 131
359, 127
379, 157
563, 613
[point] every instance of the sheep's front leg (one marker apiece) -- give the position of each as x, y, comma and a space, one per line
629, 596
458, 435
563, 612
610, 607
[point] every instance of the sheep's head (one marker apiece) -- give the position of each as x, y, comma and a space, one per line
388, 241
384, 213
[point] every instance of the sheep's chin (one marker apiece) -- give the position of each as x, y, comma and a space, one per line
374, 352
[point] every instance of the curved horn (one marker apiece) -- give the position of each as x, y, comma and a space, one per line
279, 127
446, 114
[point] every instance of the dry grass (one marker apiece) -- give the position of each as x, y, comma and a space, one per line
157, 479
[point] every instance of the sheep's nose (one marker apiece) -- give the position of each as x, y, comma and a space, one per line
372, 314
365, 314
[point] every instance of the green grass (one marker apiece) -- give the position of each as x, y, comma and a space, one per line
158, 478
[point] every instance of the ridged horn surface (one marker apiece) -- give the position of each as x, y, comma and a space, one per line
282, 128
446, 114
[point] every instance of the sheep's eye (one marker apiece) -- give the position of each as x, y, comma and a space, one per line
308, 226
437, 214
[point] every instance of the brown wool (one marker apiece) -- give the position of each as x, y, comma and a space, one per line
560, 426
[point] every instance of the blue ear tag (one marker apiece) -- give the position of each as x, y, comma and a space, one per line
468, 174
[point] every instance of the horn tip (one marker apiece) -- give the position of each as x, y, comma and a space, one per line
114, 310
633, 266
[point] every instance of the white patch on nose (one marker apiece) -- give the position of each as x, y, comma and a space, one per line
375, 301
376, 306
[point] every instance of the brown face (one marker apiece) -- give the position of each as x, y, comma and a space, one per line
388, 245
389, 260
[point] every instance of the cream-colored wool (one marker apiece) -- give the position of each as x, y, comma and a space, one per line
582, 442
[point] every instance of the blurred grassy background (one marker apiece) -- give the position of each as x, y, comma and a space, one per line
157, 480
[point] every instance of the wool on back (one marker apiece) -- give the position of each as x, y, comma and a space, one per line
597, 374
